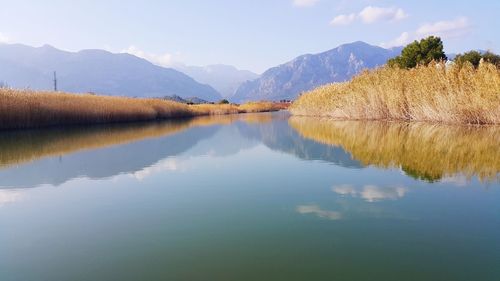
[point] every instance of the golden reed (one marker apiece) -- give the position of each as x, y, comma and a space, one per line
434, 93
30, 109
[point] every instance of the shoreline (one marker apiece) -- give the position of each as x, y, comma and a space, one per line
396, 121
25, 109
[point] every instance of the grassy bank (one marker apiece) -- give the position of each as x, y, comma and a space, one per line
425, 151
30, 109
435, 93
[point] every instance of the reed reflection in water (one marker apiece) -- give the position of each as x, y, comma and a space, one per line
17, 147
224, 192
424, 151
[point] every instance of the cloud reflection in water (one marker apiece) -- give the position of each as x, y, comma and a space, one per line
316, 210
371, 193
9, 196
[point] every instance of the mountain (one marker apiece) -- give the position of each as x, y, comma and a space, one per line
224, 78
309, 71
192, 100
175, 98
96, 71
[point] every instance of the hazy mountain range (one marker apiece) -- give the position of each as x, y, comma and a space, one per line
103, 72
306, 72
96, 71
226, 79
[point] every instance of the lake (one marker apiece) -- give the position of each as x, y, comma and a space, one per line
251, 197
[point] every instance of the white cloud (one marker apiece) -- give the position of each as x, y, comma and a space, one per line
445, 29
371, 193
369, 15
401, 40
305, 3
316, 210
166, 59
4, 38
343, 19
373, 14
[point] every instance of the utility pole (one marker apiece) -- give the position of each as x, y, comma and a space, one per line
55, 82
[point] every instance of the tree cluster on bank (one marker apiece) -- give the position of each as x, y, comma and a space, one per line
475, 57
431, 49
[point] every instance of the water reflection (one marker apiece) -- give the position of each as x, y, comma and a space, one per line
371, 193
217, 194
279, 136
169, 164
17, 147
31, 158
9, 196
54, 156
423, 151
316, 210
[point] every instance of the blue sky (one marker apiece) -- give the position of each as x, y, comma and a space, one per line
252, 35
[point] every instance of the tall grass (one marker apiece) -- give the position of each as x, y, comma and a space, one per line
422, 150
434, 93
29, 109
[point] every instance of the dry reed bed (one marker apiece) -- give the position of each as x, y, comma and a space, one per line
434, 93
423, 150
17, 147
30, 109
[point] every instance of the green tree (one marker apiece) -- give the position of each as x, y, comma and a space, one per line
475, 57
224, 101
420, 53
472, 57
492, 58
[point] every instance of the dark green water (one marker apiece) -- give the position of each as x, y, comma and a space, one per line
241, 198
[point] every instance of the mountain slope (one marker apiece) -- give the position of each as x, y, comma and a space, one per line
306, 72
224, 78
94, 71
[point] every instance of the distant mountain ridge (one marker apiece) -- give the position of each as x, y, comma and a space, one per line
96, 71
226, 79
309, 71
192, 100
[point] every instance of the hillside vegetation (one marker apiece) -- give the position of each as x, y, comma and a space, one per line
29, 109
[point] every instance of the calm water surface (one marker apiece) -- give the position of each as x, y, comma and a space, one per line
251, 197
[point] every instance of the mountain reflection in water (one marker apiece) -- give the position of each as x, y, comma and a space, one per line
250, 197
423, 151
